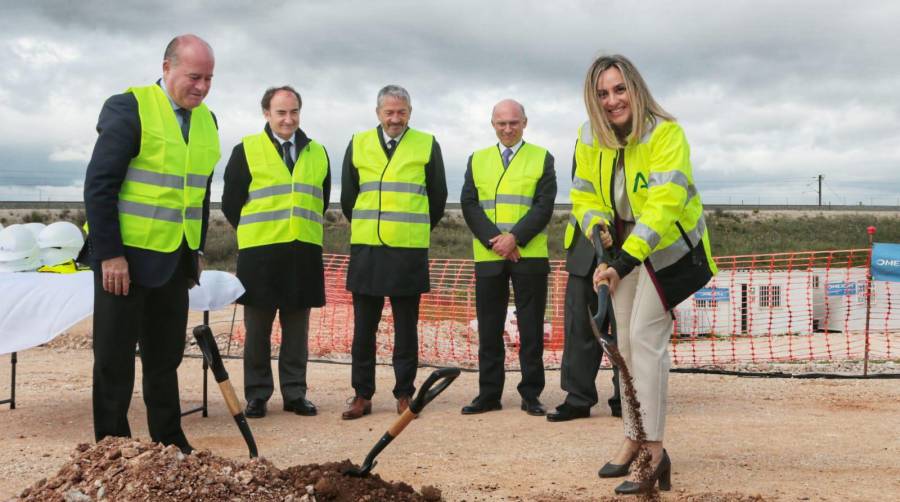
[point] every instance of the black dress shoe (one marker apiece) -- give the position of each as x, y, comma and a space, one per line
662, 473
615, 411
301, 406
186, 449
481, 407
566, 412
256, 408
533, 407
610, 470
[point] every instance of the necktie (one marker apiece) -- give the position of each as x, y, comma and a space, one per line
185, 122
507, 155
391, 144
286, 154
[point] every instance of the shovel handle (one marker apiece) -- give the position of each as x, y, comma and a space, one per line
435, 384
401, 423
210, 350
432, 386
602, 255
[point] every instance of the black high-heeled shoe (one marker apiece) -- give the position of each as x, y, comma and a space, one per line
610, 470
662, 473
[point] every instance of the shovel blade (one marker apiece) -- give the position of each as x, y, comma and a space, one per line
359, 472
600, 322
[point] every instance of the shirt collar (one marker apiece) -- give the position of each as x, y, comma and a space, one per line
388, 138
283, 141
162, 84
514, 148
276, 137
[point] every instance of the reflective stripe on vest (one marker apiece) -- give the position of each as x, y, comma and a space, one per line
161, 198
392, 206
282, 207
506, 195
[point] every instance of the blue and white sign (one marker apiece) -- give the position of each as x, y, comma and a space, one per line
886, 262
842, 288
715, 294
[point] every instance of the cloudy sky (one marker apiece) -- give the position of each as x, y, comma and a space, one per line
771, 93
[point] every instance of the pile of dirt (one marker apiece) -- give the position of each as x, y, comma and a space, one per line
127, 469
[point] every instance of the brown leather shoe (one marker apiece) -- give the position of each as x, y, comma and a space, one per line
402, 404
359, 406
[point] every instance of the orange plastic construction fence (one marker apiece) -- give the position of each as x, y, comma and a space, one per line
802, 306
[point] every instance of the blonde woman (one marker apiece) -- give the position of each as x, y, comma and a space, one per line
633, 176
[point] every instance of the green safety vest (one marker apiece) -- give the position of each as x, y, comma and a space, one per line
392, 206
660, 188
161, 199
282, 207
506, 195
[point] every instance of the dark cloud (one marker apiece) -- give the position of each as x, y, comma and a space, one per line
765, 90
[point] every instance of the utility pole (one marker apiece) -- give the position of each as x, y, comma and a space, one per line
821, 177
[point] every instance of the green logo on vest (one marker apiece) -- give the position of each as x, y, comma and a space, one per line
639, 182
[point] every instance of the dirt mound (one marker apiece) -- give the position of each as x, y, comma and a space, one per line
127, 469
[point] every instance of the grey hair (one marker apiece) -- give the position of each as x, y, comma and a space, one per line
171, 53
393, 91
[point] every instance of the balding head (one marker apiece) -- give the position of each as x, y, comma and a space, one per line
506, 105
188, 70
186, 41
509, 121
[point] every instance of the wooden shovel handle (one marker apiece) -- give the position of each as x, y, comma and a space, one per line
401, 423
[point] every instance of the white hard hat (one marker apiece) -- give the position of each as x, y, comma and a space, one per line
29, 264
35, 227
17, 243
55, 256
61, 234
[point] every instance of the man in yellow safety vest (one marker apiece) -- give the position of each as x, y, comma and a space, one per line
393, 192
507, 202
277, 186
146, 195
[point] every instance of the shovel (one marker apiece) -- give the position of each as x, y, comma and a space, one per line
603, 323
210, 350
443, 378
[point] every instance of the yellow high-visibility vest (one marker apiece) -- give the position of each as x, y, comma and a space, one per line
161, 199
281, 206
392, 206
660, 187
506, 195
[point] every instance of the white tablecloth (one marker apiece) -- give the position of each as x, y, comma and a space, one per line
35, 307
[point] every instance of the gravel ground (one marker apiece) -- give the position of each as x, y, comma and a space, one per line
729, 438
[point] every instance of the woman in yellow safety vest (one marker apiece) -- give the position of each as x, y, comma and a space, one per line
633, 177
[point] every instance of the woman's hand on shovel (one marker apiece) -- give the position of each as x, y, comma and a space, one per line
606, 275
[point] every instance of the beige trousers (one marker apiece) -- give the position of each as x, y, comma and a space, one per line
644, 330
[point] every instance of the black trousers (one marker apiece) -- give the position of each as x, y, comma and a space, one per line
491, 300
366, 316
154, 319
581, 350
292, 356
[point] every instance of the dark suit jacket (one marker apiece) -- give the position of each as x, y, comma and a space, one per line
580, 256
119, 141
383, 270
287, 275
534, 221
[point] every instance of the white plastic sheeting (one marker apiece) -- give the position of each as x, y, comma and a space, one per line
216, 290
35, 307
